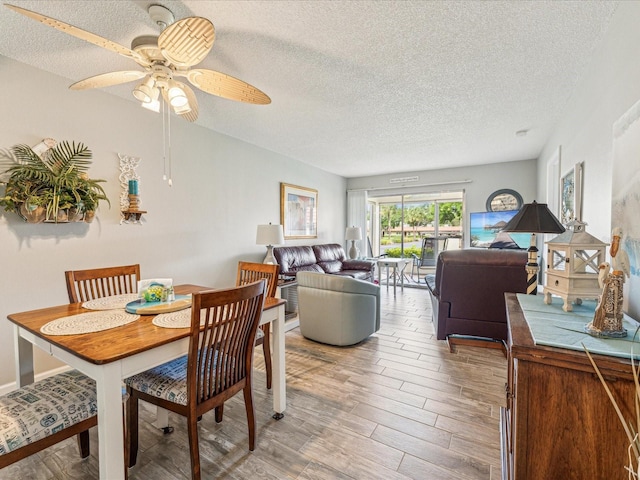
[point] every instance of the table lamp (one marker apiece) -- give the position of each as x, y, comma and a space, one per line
269, 235
534, 218
353, 234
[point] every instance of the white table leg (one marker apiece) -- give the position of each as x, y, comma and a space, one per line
162, 419
110, 421
279, 374
23, 350
395, 278
387, 265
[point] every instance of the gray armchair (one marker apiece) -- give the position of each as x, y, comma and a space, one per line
337, 310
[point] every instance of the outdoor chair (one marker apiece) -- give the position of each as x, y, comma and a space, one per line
249, 272
219, 364
370, 250
431, 247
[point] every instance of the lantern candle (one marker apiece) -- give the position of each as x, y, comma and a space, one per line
133, 187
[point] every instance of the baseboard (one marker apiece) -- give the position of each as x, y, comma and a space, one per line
9, 387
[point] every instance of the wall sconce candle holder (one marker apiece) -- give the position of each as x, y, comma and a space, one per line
130, 197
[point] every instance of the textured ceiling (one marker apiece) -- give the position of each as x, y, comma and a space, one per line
357, 87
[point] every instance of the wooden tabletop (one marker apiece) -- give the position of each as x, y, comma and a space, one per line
113, 344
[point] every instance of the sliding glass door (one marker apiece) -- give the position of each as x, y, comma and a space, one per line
399, 224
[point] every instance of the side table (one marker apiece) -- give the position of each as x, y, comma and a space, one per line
398, 265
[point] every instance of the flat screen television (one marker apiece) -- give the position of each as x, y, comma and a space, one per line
485, 231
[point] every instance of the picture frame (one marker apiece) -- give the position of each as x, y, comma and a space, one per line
298, 211
571, 195
625, 201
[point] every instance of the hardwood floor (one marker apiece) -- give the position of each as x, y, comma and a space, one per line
397, 406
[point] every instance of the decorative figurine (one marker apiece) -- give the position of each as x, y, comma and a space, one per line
619, 258
607, 321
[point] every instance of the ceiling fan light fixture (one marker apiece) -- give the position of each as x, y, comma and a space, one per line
180, 46
177, 96
186, 108
155, 93
153, 105
144, 91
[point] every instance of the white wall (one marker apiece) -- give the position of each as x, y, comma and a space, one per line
610, 86
195, 231
482, 181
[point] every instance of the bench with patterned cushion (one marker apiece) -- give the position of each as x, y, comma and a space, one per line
46, 412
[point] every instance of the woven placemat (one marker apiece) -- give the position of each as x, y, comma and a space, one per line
88, 322
115, 302
179, 319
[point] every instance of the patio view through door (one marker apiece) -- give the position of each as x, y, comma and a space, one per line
401, 225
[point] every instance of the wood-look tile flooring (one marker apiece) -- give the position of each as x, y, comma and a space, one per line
397, 406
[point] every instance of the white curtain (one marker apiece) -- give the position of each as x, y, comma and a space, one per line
357, 217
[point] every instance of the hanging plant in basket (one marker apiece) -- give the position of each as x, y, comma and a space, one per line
52, 187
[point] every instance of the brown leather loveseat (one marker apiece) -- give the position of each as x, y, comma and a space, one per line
325, 258
467, 291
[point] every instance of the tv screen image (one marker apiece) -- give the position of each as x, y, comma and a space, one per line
485, 230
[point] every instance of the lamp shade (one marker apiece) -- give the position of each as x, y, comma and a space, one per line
353, 233
269, 235
534, 218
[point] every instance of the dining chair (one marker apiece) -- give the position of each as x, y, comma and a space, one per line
218, 365
250, 272
30, 420
84, 285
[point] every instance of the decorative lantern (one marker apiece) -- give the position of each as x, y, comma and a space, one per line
573, 258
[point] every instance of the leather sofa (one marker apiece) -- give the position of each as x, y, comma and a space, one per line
337, 310
326, 258
467, 291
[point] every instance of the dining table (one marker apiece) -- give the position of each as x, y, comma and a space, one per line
111, 355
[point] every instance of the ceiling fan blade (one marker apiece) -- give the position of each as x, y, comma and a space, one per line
226, 86
188, 41
190, 116
108, 80
82, 34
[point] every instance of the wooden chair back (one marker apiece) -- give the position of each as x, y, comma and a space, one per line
221, 353
249, 272
84, 285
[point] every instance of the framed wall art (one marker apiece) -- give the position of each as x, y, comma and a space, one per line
571, 195
298, 211
625, 200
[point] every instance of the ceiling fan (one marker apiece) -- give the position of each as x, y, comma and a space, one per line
181, 45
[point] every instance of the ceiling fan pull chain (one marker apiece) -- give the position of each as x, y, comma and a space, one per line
169, 141
164, 143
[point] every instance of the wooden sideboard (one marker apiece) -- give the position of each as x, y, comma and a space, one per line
559, 422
